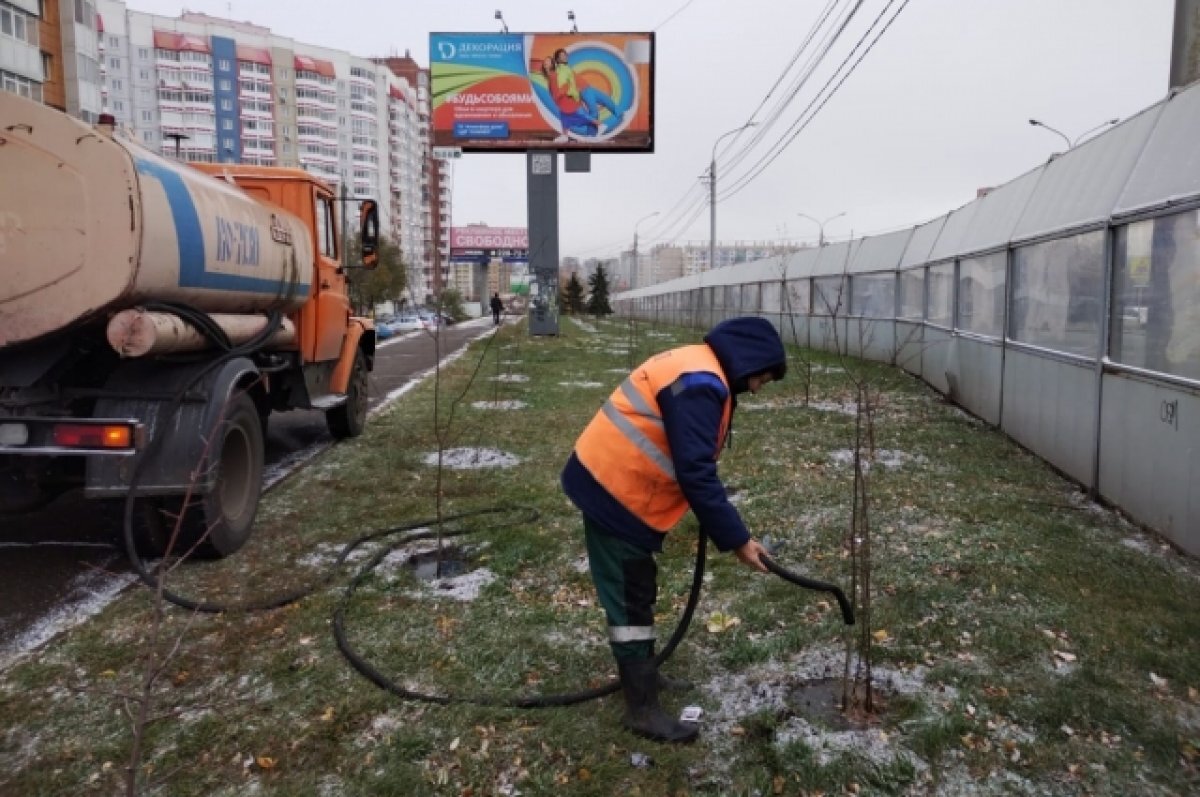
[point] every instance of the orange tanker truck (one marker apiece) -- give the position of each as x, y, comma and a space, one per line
153, 314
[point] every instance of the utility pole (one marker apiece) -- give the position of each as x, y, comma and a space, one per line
1185, 44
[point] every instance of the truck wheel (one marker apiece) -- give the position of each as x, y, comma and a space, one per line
349, 419
221, 522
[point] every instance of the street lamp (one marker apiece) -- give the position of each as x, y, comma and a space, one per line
1071, 144
821, 224
712, 193
636, 267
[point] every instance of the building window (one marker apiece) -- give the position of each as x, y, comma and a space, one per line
226, 124
223, 64
147, 116
47, 65
144, 53
114, 62
226, 105
118, 85
118, 106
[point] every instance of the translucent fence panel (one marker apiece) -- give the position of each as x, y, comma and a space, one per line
912, 294
798, 298
829, 296
750, 298
941, 295
1058, 293
981, 294
733, 298
772, 297
1156, 295
873, 295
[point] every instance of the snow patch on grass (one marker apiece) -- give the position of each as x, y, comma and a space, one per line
473, 458
585, 326
581, 384
462, 588
510, 378
887, 458
503, 404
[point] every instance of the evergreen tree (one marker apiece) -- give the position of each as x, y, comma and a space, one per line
597, 303
572, 301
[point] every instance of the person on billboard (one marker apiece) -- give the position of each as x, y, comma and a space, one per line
592, 98
648, 456
572, 113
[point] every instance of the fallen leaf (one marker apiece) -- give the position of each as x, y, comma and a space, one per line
1193, 694
328, 715
719, 622
265, 762
881, 635
777, 784
585, 774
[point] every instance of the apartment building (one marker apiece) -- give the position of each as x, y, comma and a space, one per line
202, 88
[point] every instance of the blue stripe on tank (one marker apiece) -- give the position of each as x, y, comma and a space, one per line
190, 238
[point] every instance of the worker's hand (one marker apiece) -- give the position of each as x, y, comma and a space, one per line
749, 555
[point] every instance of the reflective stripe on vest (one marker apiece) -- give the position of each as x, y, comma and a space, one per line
634, 435
625, 446
630, 633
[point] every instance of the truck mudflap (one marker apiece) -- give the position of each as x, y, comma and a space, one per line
187, 424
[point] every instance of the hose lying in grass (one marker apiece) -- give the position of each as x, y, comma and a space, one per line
369, 671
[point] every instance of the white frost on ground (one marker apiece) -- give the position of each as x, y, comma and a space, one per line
585, 326
887, 458
844, 407
473, 458
503, 404
90, 592
618, 351
618, 371
580, 565
284, 467
509, 378
511, 362
461, 588
767, 688
581, 384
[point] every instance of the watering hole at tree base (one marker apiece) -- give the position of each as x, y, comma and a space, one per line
450, 561
819, 701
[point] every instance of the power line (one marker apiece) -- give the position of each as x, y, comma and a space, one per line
674, 14
800, 80
801, 123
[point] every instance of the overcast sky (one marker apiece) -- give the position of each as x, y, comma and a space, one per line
938, 108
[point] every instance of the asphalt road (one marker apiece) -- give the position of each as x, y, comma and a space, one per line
63, 563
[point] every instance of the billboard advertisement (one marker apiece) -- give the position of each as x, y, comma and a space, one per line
512, 92
481, 243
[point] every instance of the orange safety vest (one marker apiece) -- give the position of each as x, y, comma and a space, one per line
625, 446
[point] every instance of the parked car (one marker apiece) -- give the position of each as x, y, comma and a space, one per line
406, 323
429, 318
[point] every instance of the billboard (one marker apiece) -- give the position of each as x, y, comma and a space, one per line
512, 92
482, 243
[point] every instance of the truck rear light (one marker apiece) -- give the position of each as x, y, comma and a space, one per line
13, 434
79, 435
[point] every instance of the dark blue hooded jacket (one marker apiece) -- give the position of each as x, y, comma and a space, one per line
691, 410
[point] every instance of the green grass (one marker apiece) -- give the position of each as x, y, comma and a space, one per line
988, 569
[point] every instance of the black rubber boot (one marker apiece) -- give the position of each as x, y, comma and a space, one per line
668, 684
643, 715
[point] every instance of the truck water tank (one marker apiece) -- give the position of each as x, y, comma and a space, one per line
91, 223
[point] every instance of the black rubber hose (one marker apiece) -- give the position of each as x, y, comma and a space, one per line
811, 583
368, 670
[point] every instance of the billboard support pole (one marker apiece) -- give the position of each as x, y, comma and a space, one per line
541, 181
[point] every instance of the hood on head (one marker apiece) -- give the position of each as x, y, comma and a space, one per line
747, 346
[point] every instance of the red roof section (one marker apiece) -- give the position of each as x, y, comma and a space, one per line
254, 55
165, 40
322, 68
